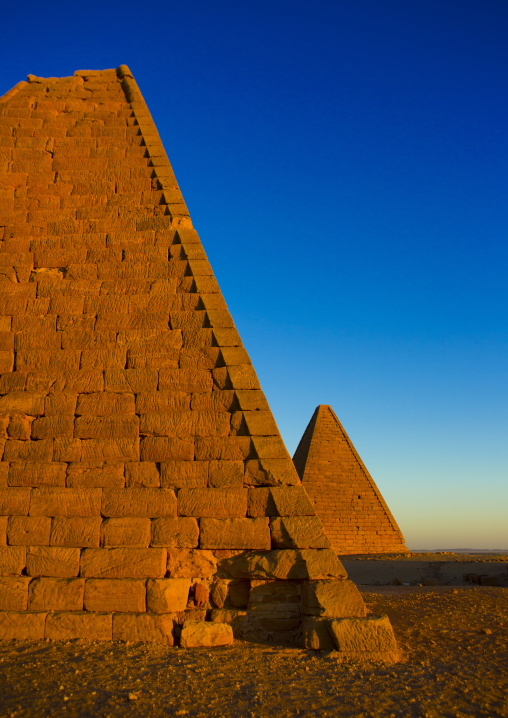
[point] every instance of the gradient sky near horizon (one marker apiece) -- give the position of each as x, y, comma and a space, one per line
345, 164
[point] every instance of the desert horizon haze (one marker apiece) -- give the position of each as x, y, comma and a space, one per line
344, 166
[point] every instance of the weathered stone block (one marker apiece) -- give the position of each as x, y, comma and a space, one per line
279, 501
191, 563
298, 532
228, 448
60, 403
75, 531
51, 427
14, 502
56, 594
175, 533
335, 599
142, 474
22, 626
123, 563
143, 627
150, 503
239, 533
269, 447
110, 594
65, 502
315, 634
224, 474
163, 448
22, 402
167, 595
41, 450
110, 450
271, 472
14, 593
12, 560
162, 401
27, 473
185, 424
67, 449
95, 474
200, 634
28, 530
184, 474
212, 503
52, 561
131, 380
106, 427
134, 532
360, 636
90, 626
105, 404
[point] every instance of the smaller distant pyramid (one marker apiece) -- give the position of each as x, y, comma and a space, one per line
354, 515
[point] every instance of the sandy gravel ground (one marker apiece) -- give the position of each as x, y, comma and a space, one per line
455, 664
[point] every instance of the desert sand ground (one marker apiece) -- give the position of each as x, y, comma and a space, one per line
454, 641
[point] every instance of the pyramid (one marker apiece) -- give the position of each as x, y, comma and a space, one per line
354, 515
145, 491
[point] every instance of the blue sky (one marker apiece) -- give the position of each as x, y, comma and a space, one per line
345, 166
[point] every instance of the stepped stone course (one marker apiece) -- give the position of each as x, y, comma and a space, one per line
353, 513
145, 491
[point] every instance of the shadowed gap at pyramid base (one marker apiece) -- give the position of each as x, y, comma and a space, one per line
145, 491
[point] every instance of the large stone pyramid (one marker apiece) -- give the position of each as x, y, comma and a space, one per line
146, 493
355, 516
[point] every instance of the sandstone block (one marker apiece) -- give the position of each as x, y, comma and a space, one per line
270, 447
14, 593
56, 594
335, 599
49, 427
67, 449
112, 594
191, 563
105, 404
123, 563
93, 427
90, 626
224, 474
298, 532
143, 627
131, 380
142, 474
60, 403
107, 357
134, 532
230, 448
162, 401
360, 636
23, 402
65, 502
217, 400
14, 501
26, 473
22, 626
20, 426
212, 503
175, 533
28, 530
95, 475
315, 634
185, 380
163, 448
150, 503
12, 560
200, 634
280, 501
167, 595
52, 561
185, 424
285, 564
3, 530
235, 534
184, 474
41, 450
77, 532
82, 381
110, 450
271, 472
